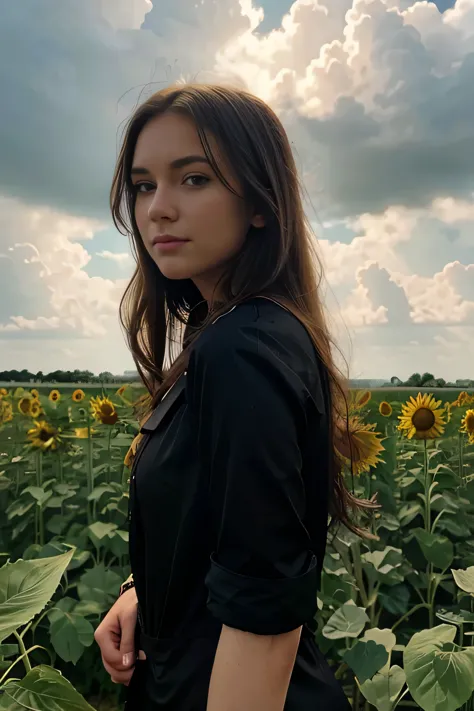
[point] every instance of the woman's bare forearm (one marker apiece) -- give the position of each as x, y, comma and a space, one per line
252, 672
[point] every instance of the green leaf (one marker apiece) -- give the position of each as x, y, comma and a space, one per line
26, 587
437, 550
348, 621
88, 607
99, 490
56, 524
38, 493
79, 559
366, 658
465, 579
100, 529
408, 513
42, 689
395, 599
385, 637
383, 690
455, 618
385, 563
8, 650
99, 585
70, 633
334, 589
439, 677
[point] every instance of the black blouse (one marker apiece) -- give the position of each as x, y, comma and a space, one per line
229, 508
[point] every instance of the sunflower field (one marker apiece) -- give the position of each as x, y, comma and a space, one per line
396, 609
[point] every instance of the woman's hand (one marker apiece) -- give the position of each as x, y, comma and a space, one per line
116, 638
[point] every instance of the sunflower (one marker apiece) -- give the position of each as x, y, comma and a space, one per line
3, 392
24, 405
54, 395
422, 418
467, 425
359, 442
34, 393
35, 408
83, 433
78, 395
385, 409
104, 410
6, 412
358, 399
130, 456
462, 399
44, 436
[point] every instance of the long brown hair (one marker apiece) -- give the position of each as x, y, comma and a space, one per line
162, 317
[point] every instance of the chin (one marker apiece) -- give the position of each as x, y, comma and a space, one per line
175, 270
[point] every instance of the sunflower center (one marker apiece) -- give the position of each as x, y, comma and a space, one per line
44, 435
107, 409
423, 419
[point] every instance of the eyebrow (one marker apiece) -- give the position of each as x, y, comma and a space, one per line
174, 165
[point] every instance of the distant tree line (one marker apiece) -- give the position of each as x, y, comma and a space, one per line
428, 380
60, 376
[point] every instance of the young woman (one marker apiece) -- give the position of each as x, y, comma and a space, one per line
237, 471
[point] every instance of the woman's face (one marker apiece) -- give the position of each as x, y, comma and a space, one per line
179, 196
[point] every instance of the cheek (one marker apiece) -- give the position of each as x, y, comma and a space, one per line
141, 214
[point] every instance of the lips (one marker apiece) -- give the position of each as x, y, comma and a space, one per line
166, 239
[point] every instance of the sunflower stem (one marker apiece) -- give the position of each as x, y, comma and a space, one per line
461, 460
427, 488
108, 455
357, 561
429, 568
90, 466
60, 465
23, 652
39, 476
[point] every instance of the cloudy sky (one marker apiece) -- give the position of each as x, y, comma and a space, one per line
378, 100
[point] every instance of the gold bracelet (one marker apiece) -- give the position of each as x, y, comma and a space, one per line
129, 583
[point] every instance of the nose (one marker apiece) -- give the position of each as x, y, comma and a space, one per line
162, 206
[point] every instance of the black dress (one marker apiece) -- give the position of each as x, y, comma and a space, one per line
228, 510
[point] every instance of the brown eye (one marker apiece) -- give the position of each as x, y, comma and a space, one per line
142, 187
197, 178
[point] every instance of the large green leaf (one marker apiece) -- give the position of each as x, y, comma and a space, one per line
42, 689
335, 589
383, 690
99, 585
348, 621
366, 658
70, 633
465, 579
437, 550
395, 599
386, 638
26, 587
100, 529
440, 675
382, 565
455, 618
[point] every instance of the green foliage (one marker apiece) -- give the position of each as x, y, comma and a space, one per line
42, 689
440, 675
379, 599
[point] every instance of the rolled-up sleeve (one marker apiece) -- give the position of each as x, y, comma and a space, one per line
249, 410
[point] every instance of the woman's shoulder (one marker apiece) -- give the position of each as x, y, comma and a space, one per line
247, 323
261, 330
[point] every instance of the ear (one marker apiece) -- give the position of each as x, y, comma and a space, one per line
258, 221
